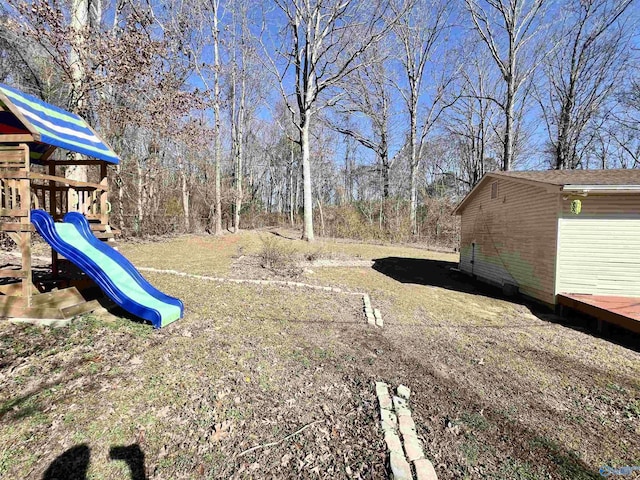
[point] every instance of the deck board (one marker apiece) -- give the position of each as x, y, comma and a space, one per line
621, 311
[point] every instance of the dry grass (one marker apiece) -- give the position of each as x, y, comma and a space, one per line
208, 255
250, 364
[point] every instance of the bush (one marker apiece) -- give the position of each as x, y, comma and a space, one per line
389, 221
314, 255
278, 257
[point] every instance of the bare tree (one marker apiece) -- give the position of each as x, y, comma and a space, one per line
325, 40
509, 29
420, 31
80, 26
247, 93
471, 121
215, 11
367, 93
620, 130
582, 72
238, 84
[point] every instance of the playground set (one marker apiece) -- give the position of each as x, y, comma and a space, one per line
71, 216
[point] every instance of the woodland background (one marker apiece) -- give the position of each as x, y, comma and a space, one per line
365, 120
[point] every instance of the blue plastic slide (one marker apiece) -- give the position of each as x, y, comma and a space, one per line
107, 267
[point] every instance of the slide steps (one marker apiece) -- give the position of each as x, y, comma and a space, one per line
59, 305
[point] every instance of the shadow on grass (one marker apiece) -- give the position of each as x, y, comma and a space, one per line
438, 273
435, 273
73, 464
133, 456
117, 311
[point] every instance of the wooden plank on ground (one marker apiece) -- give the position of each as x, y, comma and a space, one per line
58, 298
81, 308
32, 312
9, 303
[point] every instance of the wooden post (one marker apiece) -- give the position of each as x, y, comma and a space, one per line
53, 193
104, 216
25, 235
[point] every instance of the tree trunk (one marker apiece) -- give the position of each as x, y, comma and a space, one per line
414, 200
384, 163
321, 216
185, 197
296, 202
239, 154
79, 23
508, 132
120, 195
291, 189
564, 158
413, 165
307, 231
216, 134
140, 198
507, 161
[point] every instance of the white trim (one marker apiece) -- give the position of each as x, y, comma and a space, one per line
557, 247
601, 188
556, 272
60, 129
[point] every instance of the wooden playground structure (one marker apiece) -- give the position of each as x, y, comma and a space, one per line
30, 178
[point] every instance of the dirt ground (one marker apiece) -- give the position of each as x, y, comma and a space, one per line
263, 381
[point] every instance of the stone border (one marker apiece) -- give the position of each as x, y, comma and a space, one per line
395, 415
373, 316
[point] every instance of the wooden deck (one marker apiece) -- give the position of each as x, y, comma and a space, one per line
621, 311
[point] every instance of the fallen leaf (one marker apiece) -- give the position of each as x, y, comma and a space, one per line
135, 360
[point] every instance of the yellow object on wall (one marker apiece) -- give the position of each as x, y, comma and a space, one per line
576, 206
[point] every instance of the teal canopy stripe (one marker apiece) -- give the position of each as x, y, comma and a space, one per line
56, 126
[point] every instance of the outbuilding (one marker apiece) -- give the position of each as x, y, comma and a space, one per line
569, 237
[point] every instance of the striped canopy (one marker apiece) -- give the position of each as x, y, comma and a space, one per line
49, 125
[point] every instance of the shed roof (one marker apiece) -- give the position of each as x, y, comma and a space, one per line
50, 126
603, 181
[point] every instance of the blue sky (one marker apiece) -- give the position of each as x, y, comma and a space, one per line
274, 23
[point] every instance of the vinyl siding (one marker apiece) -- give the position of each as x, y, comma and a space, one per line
612, 204
599, 249
514, 236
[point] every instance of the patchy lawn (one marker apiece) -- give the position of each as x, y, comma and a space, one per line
291, 371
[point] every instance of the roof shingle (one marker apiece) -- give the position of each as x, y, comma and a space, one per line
578, 177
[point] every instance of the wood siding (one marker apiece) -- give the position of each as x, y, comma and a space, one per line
599, 249
512, 238
612, 204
